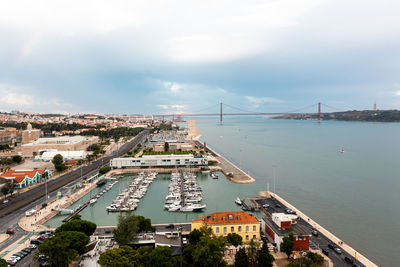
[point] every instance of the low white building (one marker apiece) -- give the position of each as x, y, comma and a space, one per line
159, 161
67, 155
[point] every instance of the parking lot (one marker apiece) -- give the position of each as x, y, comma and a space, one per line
317, 241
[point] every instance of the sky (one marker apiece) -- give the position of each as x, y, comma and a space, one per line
169, 56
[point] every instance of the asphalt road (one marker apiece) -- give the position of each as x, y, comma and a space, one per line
316, 242
11, 212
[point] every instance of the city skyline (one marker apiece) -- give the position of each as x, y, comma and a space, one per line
158, 57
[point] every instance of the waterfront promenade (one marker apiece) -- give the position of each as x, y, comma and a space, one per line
238, 175
338, 242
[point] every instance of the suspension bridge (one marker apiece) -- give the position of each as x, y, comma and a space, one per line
241, 112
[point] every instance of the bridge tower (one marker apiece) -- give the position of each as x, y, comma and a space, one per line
220, 115
319, 111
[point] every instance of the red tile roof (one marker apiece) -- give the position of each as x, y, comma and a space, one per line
228, 218
20, 175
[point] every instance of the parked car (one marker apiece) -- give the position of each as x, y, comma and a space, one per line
349, 260
31, 246
18, 254
23, 253
42, 237
314, 233
15, 258
11, 261
338, 250
27, 250
170, 226
277, 205
289, 211
10, 231
265, 206
325, 251
331, 246
36, 242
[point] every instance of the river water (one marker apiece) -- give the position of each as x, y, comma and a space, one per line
354, 194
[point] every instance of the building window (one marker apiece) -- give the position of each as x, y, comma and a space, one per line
247, 237
224, 229
239, 228
230, 216
254, 236
247, 228
232, 228
223, 218
254, 227
214, 219
217, 229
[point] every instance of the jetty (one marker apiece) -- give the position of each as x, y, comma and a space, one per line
76, 211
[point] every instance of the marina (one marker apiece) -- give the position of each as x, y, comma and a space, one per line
129, 198
185, 194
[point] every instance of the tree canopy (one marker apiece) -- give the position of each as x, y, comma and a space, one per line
241, 258
63, 248
127, 229
287, 244
144, 256
234, 239
3, 263
263, 257
79, 225
58, 162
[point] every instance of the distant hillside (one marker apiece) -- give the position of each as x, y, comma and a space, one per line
354, 115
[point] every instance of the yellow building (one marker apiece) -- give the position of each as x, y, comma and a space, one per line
223, 223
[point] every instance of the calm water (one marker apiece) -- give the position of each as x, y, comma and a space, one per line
353, 194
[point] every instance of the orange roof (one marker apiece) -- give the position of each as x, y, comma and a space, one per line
228, 218
19, 176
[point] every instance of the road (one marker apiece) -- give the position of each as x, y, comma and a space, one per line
14, 210
316, 242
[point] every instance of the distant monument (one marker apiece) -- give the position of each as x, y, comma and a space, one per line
193, 132
30, 135
375, 106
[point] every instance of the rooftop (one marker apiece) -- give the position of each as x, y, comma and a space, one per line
19, 175
228, 218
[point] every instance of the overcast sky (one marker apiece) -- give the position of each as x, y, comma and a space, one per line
184, 56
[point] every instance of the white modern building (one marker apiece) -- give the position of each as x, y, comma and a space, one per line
67, 155
159, 161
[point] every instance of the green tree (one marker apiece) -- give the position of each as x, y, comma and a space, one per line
252, 249
315, 257
166, 146
17, 159
144, 225
234, 239
241, 258
118, 257
127, 229
58, 162
209, 251
104, 170
287, 244
79, 225
263, 257
194, 236
63, 248
3, 263
162, 257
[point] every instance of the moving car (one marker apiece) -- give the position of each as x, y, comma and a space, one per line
10, 231
325, 251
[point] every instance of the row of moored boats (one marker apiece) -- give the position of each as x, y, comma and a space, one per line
185, 193
129, 198
102, 192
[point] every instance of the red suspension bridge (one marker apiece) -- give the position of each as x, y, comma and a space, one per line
242, 112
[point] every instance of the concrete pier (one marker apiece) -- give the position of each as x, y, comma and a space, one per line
361, 258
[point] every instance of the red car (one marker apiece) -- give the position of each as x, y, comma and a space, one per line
10, 231
41, 238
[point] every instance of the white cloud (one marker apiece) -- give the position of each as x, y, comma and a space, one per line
397, 93
256, 102
16, 99
14, 96
174, 87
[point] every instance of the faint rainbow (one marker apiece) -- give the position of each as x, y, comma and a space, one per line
26, 47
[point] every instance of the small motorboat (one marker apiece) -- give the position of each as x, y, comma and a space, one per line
214, 175
238, 201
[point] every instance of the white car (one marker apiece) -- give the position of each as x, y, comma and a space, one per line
12, 261
14, 258
32, 246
